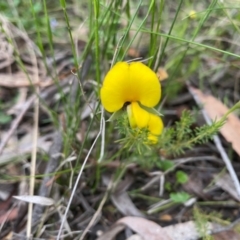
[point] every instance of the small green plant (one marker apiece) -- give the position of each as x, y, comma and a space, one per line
180, 197
181, 177
201, 222
4, 118
165, 165
175, 139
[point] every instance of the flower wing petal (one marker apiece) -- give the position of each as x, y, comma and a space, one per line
155, 124
155, 127
141, 116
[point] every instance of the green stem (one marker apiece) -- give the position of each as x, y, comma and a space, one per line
170, 30
96, 31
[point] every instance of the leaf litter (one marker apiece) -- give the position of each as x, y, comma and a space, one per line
216, 109
130, 197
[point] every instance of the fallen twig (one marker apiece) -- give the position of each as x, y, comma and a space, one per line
45, 188
44, 191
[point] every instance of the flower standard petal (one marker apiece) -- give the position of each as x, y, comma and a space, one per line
130, 82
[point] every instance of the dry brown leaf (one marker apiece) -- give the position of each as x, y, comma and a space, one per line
194, 185
227, 235
226, 183
9, 236
133, 52
124, 204
186, 231
44, 201
121, 199
147, 229
112, 232
6, 52
162, 74
24, 146
166, 218
215, 110
135, 237
20, 79
9, 215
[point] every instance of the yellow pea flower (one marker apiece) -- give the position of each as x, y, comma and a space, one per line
133, 84
192, 14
